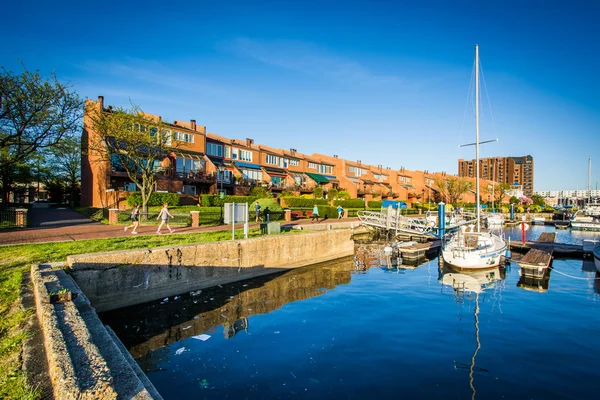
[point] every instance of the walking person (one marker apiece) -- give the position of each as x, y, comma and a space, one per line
135, 218
315, 214
340, 210
257, 212
164, 214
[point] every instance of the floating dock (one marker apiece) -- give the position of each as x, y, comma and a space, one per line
535, 263
418, 251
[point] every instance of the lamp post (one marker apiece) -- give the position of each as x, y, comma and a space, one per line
221, 194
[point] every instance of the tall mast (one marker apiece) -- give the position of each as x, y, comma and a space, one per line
589, 178
477, 133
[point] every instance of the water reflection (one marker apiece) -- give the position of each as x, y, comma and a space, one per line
469, 286
163, 323
385, 255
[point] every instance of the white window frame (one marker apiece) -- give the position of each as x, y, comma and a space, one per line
312, 165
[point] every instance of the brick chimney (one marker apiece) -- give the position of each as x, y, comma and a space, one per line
249, 142
193, 124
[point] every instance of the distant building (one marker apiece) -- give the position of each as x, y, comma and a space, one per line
510, 170
569, 197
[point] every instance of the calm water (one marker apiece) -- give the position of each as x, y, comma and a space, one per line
354, 329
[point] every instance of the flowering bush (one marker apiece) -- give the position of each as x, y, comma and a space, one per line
525, 201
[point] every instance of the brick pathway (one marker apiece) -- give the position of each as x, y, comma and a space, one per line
65, 225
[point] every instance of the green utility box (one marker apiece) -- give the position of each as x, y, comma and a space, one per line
270, 228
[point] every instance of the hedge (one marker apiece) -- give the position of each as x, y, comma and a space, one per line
327, 211
300, 202
213, 200
353, 203
374, 204
156, 199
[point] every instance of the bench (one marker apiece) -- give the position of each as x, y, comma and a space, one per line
297, 215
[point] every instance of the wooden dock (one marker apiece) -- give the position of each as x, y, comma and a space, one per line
418, 250
547, 237
535, 263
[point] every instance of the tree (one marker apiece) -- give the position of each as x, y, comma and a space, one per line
64, 164
514, 200
497, 192
13, 174
131, 140
452, 188
332, 193
35, 114
538, 200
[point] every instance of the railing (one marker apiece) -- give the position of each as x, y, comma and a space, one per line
8, 218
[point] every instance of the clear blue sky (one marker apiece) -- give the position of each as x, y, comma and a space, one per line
382, 81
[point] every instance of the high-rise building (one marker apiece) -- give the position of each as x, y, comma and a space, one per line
509, 170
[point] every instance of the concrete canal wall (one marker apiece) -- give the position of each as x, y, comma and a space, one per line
118, 279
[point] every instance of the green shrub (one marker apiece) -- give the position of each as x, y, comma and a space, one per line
318, 192
156, 199
298, 202
343, 195
209, 200
548, 209
353, 203
238, 199
332, 194
327, 211
260, 192
374, 204
520, 209
535, 208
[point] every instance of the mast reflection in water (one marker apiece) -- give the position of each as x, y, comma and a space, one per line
364, 328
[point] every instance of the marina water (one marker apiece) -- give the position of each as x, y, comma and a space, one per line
356, 329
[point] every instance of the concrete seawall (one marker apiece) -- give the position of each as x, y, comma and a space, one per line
119, 279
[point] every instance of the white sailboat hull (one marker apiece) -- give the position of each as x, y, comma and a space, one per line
474, 251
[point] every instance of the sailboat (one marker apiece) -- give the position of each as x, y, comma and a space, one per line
470, 248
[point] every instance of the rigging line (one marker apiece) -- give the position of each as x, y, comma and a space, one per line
574, 277
487, 96
471, 379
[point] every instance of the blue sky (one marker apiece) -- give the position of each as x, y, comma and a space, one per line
386, 82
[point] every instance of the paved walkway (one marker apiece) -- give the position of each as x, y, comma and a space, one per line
65, 225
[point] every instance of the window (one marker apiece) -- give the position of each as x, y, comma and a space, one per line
357, 171
312, 165
325, 169
183, 137
227, 152
294, 162
189, 189
380, 178
234, 154
166, 137
224, 176
213, 149
130, 187
245, 155
271, 159
187, 164
252, 174
404, 179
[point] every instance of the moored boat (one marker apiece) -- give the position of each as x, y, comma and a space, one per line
469, 248
538, 221
596, 254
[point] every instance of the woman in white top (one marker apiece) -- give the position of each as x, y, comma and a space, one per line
164, 214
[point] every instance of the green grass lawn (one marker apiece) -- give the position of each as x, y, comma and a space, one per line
17, 260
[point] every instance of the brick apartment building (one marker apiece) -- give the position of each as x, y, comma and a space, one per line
209, 163
509, 170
